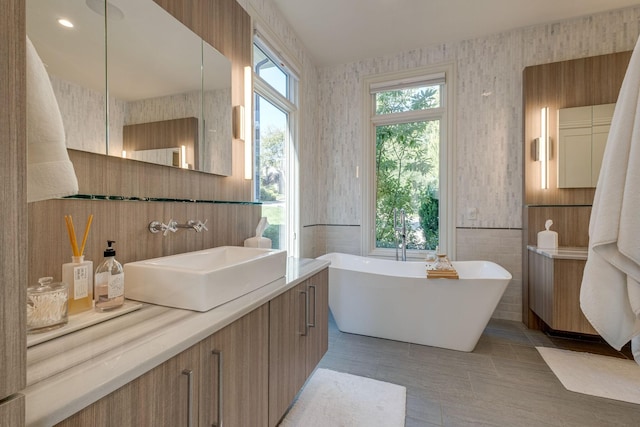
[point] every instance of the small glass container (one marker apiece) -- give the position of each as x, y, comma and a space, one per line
442, 263
47, 305
430, 259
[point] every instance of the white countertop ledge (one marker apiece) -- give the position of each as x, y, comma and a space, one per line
71, 372
564, 252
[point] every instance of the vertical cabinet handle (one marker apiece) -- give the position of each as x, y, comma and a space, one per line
313, 325
305, 323
218, 423
189, 374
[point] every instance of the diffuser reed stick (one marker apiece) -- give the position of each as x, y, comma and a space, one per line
72, 234
86, 234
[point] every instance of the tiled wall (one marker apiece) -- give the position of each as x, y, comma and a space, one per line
488, 118
504, 247
488, 129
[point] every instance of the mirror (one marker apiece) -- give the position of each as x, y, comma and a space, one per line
582, 136
160, 76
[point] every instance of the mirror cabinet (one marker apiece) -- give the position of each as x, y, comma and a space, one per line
130, 64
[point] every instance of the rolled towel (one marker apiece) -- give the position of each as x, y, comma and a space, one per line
50, 173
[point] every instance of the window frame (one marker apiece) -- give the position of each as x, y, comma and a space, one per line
290, 106
447, 154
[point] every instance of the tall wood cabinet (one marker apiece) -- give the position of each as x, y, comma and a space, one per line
298, 340
13, 211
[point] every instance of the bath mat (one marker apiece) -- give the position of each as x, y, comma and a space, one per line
593, 374
337, 399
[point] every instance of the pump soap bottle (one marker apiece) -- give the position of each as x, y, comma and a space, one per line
109, 281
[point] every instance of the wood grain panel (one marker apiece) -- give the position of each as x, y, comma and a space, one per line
13, 238
157, 398
571, 223
287, 351
126, 222
587, 81
567, 314
318, 342
244, 352
12, 411
541, 296
161, 134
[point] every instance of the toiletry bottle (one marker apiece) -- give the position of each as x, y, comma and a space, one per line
109, 281
78, 274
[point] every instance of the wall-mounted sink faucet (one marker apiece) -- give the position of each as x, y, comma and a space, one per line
173, 226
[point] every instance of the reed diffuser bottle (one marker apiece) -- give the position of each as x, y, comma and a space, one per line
109, 281
78, 274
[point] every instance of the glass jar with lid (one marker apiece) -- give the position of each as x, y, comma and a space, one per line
47, 304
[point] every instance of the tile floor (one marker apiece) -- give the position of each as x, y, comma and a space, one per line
503, 382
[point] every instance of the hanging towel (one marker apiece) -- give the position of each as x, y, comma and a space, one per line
50, 173
610, 292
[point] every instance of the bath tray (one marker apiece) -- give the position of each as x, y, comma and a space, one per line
442, 274
82, 320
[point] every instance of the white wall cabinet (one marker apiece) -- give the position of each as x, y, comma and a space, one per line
582, 136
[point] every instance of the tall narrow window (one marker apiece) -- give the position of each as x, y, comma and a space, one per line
406, 149
275, 169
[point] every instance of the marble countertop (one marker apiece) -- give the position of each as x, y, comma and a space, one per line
68, 373
565, 252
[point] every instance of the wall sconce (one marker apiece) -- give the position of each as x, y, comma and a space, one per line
247, 122
542, 148
238, 122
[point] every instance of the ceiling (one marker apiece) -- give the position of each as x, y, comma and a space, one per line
341, 31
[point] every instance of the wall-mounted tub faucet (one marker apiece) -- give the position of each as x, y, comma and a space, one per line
401, 232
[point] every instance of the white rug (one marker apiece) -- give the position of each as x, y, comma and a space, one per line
593, 374
335, 399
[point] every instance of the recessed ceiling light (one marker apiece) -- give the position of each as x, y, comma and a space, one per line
65, 23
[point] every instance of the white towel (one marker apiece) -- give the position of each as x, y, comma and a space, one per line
610, 293
50, 173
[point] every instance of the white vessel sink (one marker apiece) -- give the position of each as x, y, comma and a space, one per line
202, 280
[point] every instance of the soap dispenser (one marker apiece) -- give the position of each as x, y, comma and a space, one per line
109, 281
548, 239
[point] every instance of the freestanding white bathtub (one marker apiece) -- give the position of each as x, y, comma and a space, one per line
395, 300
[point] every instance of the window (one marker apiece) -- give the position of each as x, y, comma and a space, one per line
408, 163
276, 163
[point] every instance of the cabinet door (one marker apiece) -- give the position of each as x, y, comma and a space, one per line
318, 339
12, 411
287, 349
165, 396
234, 378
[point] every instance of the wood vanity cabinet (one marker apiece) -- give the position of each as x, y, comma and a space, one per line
167, 395
554, 293
298, 339
246, 374
234, 373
